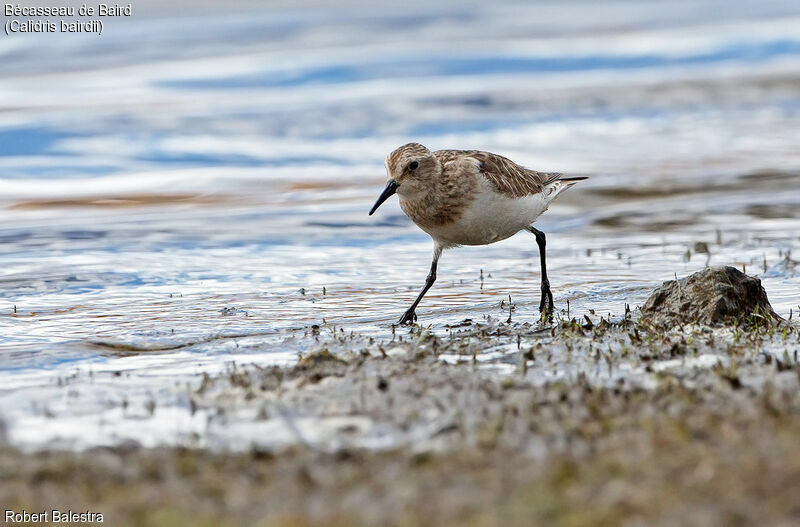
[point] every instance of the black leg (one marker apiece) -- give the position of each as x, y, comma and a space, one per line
410, 315
546, 305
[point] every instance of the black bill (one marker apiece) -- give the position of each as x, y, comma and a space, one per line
390, 189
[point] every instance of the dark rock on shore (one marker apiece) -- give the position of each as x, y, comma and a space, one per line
713, 296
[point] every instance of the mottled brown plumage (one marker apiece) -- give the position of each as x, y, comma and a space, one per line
450, 194
507, 177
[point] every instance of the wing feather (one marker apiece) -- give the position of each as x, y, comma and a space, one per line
506, 176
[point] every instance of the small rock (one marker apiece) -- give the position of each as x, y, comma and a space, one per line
398, 352
713, 296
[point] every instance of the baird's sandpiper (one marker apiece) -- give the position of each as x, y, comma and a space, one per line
469, 197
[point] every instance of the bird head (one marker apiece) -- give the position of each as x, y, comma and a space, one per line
410, 170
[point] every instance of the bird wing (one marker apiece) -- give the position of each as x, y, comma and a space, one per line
506, 176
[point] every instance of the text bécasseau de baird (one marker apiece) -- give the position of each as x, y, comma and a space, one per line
64, 11
37, 21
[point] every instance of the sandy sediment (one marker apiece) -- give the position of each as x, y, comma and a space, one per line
585, 422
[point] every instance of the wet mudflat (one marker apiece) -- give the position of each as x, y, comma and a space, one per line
586, 422
197, 316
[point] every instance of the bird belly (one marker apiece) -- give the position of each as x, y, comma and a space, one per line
489, 218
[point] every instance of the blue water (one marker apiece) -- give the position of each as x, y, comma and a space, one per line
417, 67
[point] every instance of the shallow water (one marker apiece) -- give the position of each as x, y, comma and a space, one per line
190, 190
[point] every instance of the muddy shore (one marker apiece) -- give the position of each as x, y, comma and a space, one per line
590, 422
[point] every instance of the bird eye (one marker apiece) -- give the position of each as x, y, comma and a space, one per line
413, 165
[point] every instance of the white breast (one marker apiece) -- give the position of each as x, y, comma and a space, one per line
490, 217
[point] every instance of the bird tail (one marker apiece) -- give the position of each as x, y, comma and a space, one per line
574, 179
557, 176
558, 183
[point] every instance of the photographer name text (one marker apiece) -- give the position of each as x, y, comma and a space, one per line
53, 516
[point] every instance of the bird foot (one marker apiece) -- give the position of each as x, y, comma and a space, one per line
546, 306
409, 317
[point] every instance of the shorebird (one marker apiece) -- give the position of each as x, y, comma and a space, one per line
470, 197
